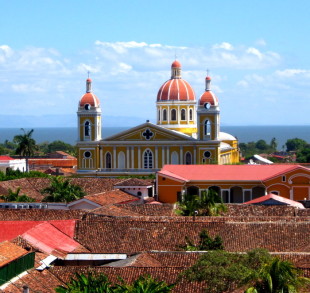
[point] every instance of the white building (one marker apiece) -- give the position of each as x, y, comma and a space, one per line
14, 164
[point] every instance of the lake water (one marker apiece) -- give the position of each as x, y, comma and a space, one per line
243, 133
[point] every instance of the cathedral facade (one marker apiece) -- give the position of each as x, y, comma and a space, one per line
186, 132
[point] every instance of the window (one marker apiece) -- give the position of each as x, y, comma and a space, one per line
207, 128
283, 178
121, 160
190, 114
158, 115
173, 115
207, 154
108, 161
148, 159
87, 128
165, 115
183, 114
174, 158
275, 192
188, 158
87, 154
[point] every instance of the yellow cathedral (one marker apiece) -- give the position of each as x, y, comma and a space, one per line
186, 132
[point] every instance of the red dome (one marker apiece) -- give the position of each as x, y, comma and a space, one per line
176, 90
176, 64
91, 99
208, 97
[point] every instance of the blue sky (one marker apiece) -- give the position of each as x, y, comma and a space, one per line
257, 53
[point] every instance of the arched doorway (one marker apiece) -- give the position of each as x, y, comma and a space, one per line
216, 189
108, 161
236, 194
192, 190
258, 191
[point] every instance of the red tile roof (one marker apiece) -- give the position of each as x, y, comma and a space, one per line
277, 198
111, 197
226, 172
9, 252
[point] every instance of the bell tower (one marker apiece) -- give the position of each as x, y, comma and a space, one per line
208, 114
89, 115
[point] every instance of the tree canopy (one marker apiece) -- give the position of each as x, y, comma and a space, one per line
62, 190
295, 144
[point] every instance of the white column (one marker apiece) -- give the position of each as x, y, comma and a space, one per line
168, 153
127, 155
100, 157
156, 157
132, 157
139, 157
181, 154
114, 158
163, 156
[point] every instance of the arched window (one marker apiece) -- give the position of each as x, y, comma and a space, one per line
188, 158
183, 114
121, 160
173, 115
87, 128
148, 159
207, 128
158, 115
174, 158
108, 161
164, 115
190, 114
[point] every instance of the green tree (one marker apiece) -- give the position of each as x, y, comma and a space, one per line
205, 243
26, 145
274, 144
261, 145
303, 155
295, 144
278, 276
61, 190
87, 284
144, 284
208, 204
222, 271
13, 196
211, 204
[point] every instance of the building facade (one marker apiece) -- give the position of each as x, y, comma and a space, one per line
186, 132
234, 183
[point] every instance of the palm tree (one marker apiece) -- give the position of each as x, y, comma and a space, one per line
144, 284
87, 284
26, 145
279, 277
13, 196
211, 203
61, 190
208, 204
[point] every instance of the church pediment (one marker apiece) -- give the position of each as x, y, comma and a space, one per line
149, 132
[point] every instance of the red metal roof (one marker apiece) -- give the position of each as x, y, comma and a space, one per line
276, 198
91, 99
11, 229
226, 172
5, 158
48, 238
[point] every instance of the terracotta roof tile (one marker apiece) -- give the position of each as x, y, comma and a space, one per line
9, 252
135, 182
111, 197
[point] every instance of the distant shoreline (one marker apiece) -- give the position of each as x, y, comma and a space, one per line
243, 133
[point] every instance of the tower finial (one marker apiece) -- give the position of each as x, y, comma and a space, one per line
208, 71
88, 73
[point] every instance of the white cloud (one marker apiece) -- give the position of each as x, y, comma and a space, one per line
255, 52
224, 45
293, 73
